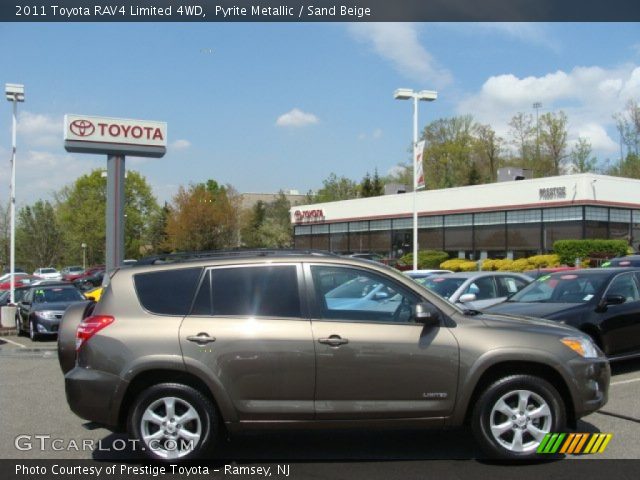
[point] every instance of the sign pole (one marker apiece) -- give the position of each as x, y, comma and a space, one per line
115, 211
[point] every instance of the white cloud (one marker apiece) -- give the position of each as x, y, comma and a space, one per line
376, 134
588, 95
180, 144
39, 174
40, 130
531, 33
296, 118
399, 44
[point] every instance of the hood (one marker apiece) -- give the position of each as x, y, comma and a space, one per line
533, 309
526, 324
54, 306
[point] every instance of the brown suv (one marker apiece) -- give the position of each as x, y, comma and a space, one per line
180, 352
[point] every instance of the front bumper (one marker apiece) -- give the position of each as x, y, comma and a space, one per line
591, 379
46, 325
92, 394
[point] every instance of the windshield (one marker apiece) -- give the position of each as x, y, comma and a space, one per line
560, 288
47, 270
443, 286
53, 295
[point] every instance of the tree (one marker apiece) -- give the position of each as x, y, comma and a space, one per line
366, 188
488, 147
628, 125
523, 138
377, 186
581, 159
553, 143
447, 155
81, 209
203, 218
268, 225
38, 236
334, 188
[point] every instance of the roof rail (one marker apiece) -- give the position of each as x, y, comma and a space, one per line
179, 257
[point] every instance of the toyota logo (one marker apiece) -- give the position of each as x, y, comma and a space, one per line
82, 128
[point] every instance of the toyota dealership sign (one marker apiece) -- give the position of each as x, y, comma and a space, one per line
116, 136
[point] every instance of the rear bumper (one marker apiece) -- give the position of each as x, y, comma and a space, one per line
94, 395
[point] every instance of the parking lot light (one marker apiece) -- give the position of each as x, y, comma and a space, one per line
428, 96
15, 94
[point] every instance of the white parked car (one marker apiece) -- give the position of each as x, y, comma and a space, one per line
48, 273
477, 290
421, 276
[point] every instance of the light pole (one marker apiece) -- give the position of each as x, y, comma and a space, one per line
15, 94
84, 255
428, 96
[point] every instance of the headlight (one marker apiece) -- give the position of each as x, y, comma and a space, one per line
47, 314
582, 346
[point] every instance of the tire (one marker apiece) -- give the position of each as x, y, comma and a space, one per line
518, 434
33, 331
150, 410
19, 326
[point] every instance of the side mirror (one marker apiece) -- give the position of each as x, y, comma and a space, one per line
380, 296
427, 314
467, 297
614, 299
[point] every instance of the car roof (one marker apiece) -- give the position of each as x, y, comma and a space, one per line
595, 271
479, 274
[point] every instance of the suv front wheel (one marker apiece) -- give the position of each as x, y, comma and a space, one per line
513, 415
173, 421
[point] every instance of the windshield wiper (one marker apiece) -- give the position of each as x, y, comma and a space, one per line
471, 313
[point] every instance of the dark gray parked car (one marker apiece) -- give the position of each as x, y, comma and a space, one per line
180, 352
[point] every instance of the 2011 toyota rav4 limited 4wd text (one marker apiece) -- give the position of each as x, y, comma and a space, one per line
180, 352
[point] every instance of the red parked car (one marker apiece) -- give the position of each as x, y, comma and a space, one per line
20, 280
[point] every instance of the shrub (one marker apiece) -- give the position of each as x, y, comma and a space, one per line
544, 261
569, 250
427, 259
520, 265
459, 265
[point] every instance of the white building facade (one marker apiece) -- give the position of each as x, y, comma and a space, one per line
507, 219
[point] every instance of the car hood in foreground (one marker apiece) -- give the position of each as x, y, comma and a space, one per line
526, 324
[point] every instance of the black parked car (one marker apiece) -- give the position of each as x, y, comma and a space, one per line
42, 307
604, 303
627, 261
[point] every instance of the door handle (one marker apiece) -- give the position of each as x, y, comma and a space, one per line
201, 339
333, 341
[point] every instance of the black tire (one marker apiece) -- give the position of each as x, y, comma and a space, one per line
33, 331
209, 423
20, 333
505, 445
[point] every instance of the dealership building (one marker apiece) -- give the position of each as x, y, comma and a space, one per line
509, 219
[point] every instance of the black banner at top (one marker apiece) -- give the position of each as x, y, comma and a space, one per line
320, 11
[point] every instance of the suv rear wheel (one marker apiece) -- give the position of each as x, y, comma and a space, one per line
173, 421
513, 415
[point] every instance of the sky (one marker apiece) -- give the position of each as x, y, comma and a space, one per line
273, 106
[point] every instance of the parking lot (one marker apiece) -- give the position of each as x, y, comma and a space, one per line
33, 404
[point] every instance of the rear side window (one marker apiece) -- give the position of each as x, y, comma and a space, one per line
168, 292
254, 291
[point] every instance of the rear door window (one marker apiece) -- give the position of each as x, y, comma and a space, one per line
167, 292
255, 291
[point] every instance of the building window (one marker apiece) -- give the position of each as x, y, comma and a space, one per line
340, 242
339, 227
620, 215
359, 242
380, 242
318, 229
458, 239
380, 225
555, 231
494, 218
490, 238
402, 223
596, 213
320, 242
431, 239
596, 229
302, 242
436, 221
359, 226
562, 215
303, 230
458, 220
524, 216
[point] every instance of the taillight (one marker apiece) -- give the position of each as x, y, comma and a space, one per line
90, 326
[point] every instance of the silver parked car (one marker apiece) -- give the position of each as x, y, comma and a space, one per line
477, 290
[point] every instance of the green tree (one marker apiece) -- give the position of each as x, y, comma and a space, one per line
38, 236
366, 187
523, 139
488, 149
581, 159
377, 185
268, 225
81, 209
553, 143
334, 188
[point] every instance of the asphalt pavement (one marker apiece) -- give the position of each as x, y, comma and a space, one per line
37, 424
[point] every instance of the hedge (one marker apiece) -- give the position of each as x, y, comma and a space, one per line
459, 265
427, 259
570, 250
